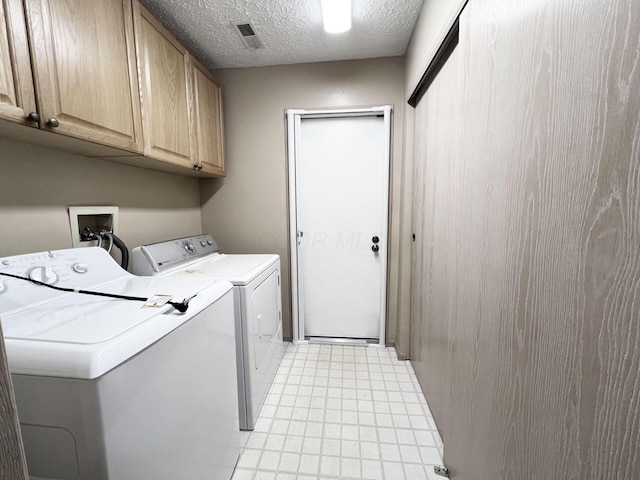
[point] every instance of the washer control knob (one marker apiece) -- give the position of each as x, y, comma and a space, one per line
203, 243
209, 242
80, 268
3, 287
189, 247
6, 262
43, 275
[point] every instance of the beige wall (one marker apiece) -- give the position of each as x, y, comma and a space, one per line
436, 17
247, 211
37, 185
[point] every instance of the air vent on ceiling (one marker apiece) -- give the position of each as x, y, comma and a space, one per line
248, 34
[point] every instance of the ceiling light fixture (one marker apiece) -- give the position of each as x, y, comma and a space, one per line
336, 15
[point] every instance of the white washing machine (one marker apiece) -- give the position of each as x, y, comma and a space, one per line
111, 388
257, 295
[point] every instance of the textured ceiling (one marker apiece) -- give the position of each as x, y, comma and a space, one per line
291, 30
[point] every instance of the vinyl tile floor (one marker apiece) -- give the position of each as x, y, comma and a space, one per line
342, 412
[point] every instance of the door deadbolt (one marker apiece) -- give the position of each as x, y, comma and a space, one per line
375, 239
375, 248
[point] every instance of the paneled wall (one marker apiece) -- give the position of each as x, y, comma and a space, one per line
526, 292
435, 176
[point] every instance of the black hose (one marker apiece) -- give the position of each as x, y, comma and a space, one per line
179, 306
124, 251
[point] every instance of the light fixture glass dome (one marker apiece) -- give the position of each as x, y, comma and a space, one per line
336, 15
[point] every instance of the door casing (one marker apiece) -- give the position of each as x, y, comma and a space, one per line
294, 116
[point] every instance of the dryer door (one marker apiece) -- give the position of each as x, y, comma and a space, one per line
264, 318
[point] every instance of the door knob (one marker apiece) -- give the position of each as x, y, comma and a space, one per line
375, 248
53, 122
375, 239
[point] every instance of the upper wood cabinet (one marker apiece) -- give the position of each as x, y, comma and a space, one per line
112, 80
83, 57
165, 91
181, 101
17, 98
208, 124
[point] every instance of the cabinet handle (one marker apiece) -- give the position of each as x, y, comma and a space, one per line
53, 122
33, 117
197, 167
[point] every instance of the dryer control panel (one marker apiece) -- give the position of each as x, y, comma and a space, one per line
159, 257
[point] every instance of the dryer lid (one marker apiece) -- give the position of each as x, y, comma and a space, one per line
240, 270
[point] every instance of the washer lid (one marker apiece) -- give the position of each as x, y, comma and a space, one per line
78, 321
84, 336
238, 269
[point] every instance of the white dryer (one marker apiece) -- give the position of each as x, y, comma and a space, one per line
257, 295
118, 389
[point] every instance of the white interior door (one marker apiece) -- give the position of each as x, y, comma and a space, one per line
342, 183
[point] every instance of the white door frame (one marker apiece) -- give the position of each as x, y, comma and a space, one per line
293, 143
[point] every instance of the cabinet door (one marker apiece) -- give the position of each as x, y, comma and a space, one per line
85, 74
164, 90
208, 123
17, 99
